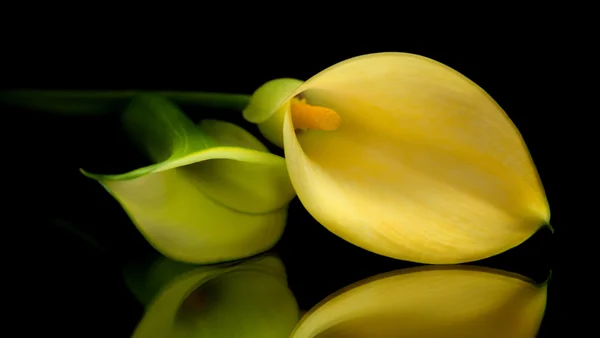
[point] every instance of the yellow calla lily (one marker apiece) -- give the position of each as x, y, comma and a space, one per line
405, 157
242, 299
214, 194
430, 301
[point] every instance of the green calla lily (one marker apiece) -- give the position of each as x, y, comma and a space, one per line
214, 194
247, 299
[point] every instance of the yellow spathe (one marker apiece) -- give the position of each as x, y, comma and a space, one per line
424, 167
431, 301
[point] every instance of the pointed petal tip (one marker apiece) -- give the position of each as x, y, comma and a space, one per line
93, 176
547, 281
88, 174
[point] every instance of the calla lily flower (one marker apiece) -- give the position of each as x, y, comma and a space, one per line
247, 299
214, 194
431, 301
405, 157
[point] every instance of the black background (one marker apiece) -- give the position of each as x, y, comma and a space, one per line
80, 286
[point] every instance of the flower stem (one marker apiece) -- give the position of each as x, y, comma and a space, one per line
208, 99
89, 103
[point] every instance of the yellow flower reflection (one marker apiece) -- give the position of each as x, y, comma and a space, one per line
405, 157
430, 301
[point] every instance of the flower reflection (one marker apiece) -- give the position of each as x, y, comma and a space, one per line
237, 299
430, 301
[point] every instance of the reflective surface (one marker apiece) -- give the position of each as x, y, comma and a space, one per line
86, 271
340, 290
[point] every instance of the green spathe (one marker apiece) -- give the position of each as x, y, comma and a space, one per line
214, 194
264, 107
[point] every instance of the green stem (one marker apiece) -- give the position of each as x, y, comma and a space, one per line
103, 102
207, 99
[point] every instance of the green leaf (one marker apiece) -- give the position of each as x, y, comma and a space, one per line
214, 193
249, 299
104, 102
